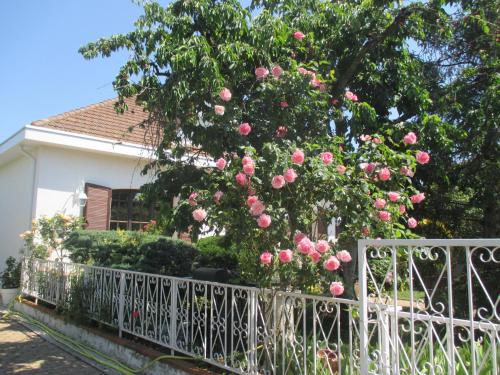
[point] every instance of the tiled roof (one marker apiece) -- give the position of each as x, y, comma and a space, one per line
101, 120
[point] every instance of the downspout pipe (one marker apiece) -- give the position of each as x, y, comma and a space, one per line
33, 186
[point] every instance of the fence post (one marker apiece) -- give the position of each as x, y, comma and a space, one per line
252, 332
59, 280
121, 303
173, 314
363, 307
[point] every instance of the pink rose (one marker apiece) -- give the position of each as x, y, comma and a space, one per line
285, 256
278, 182
417, 198
277, 71
336, 288
246, 160
365, 137
344, 256
422, 157
377, 141
199, 214
331, 264
266, 258
299, 236
281, 131
298, 35
402, 209
370, 167
261, 72
298, 157
249, 169
351, 96
251, 200
412, 223
241, 179
365, 231
290, 175
393, 196
326, 157
192, 198
341, 169
218, 196
406, 171
380, 203
264, 221
257, 208
219, 110
315, 82
220, 164
284, 104
410, 138
302, 70
384, 174
315, 256
245, 129
225, 94
305, 246
322, 246
384, 215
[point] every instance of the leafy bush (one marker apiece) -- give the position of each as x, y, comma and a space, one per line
11, 277
217, 252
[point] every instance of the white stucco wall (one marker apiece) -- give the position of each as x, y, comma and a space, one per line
62, 173
16, 184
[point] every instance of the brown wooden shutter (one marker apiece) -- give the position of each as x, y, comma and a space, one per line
98, 207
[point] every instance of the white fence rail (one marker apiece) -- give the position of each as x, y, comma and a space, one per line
439, 328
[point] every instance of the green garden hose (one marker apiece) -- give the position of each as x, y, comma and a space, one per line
85, 350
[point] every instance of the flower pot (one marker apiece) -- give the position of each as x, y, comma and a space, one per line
7, 295
330, 359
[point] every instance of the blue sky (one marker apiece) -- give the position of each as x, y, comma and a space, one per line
41, 72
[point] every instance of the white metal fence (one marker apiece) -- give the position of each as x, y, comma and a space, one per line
424, 307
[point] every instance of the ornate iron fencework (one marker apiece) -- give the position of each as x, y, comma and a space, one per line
437, 328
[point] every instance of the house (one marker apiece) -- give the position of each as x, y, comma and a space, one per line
84, 162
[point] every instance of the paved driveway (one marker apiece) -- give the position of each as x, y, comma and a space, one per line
24, 352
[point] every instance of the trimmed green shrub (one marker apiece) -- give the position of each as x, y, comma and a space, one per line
217, 252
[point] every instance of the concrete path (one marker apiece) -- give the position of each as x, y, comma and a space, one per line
24, 352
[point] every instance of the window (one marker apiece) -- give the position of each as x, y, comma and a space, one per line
128, 212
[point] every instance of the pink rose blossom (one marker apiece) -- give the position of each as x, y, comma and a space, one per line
219, 110
336, 288
246, 160
331, 264
298, 157
220, 164
305, 246
417, 198
351, 96
314, 256
264, 221
384, 174
315, 82
277, 71
377, 141
245, 129
410, 138
199, 214
298, 35
302, 70
225, 94
278, 182
284, 104
241, 179
281, 131
370, 167
266, 258
402, 209
290, 175
251, 200
406, 171
365, 231
326, 157
341, 169
192, 198
257, 208
261, 72
218, 196
299, 236
422, 157
285, 256
384, 215
365, 137
344, 256
380, 203
393, 196
322, 246
249, 169
412, 223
